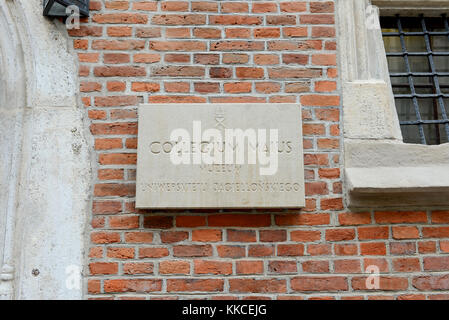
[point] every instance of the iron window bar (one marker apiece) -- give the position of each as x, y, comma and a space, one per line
411, 34
418, 54
440, 116
419, 74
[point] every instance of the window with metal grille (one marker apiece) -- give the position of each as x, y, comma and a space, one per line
418, 60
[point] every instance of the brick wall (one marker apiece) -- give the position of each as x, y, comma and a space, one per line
231, 51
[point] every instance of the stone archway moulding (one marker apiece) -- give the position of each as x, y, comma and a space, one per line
45, 174
380, 170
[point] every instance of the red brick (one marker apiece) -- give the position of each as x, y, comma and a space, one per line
114, 189
235, 20
267, 32
370, 233
400, 233
230, 7
373, 249
320, 100
249, 267
400, 217
174, 267
319, 249
139, 237
178, 71
294, 32
105, 237
106, 207
315, 266
177, 86
178, 20
206, 235
260, 250
239, 220
305, 235
324, 59
436, 263
124, 222
177, 46
257, 286
340, 234
347, 266
292, 73
264, 7
386, 283
428, 283
103, 268
444, 246
120, 253
427, 247
281, 19
207, 87
174, 6
282, 267
177, 58
435, 232
145, 87
237, 45
302, 219
132, 285
403, 248
241, 236
317, 19
225, 251
290, 250
440, 217
173, 236
195, 285
265, 59
328, 284
138, 268
94, 286
249, 73
237, 33
380, 263
237, 87
219, 73
272, 235
158, 222
322, 7
190, 221
192, 250
212, 267
119, 71
293, 6
406, 265
204, 6
147, 58
152, 252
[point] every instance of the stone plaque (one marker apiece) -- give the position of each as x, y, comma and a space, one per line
220, 156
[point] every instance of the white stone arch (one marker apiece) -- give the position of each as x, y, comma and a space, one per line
45, 163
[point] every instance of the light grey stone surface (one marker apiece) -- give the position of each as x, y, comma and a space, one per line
381, 170
412, 7
45, 165
236, 185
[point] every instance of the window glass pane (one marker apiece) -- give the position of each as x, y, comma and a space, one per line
411, 134
396, 64
417, 45
406, 111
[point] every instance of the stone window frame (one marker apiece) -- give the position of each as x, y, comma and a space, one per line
381, 171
